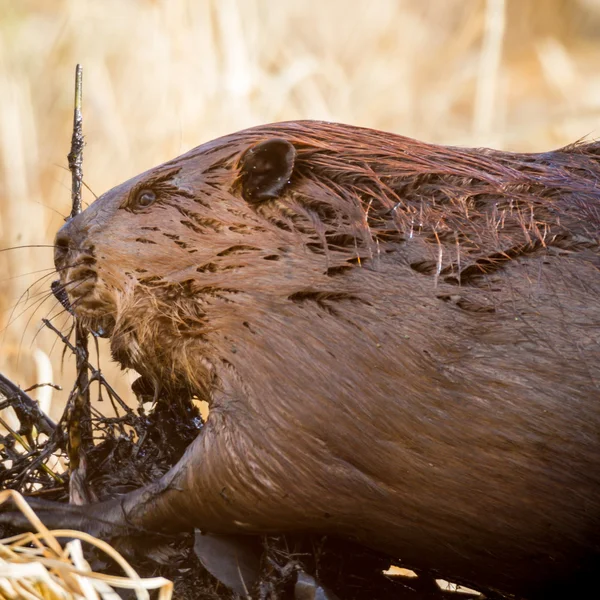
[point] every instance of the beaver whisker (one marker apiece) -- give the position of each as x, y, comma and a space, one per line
33, 306
26, 246
49, 319
38, 304
46, 270
37, 282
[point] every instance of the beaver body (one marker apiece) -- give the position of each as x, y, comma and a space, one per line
399, 343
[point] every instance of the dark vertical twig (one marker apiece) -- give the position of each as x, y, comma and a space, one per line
75, 156
79, 420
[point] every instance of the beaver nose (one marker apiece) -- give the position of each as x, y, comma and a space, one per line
68, 238
62, 244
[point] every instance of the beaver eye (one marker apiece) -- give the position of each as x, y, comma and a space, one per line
144, 198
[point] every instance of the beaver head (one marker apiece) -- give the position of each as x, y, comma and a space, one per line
156, 262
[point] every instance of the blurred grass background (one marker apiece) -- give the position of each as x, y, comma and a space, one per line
163, 76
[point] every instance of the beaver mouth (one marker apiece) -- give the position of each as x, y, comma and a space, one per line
85, 306
99, 326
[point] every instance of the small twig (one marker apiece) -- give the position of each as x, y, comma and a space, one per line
27, 448
50, 448
40, 385
27, 408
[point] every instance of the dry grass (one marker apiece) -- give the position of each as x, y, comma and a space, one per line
163, 76
35, 566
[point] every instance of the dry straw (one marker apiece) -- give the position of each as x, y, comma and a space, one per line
34, 566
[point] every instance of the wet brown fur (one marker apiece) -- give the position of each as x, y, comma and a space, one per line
402, 348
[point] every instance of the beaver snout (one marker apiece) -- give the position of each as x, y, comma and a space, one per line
75, 262
68, 241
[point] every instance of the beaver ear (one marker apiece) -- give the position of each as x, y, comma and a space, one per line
266, 168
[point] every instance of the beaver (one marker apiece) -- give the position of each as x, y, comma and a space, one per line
399, 343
